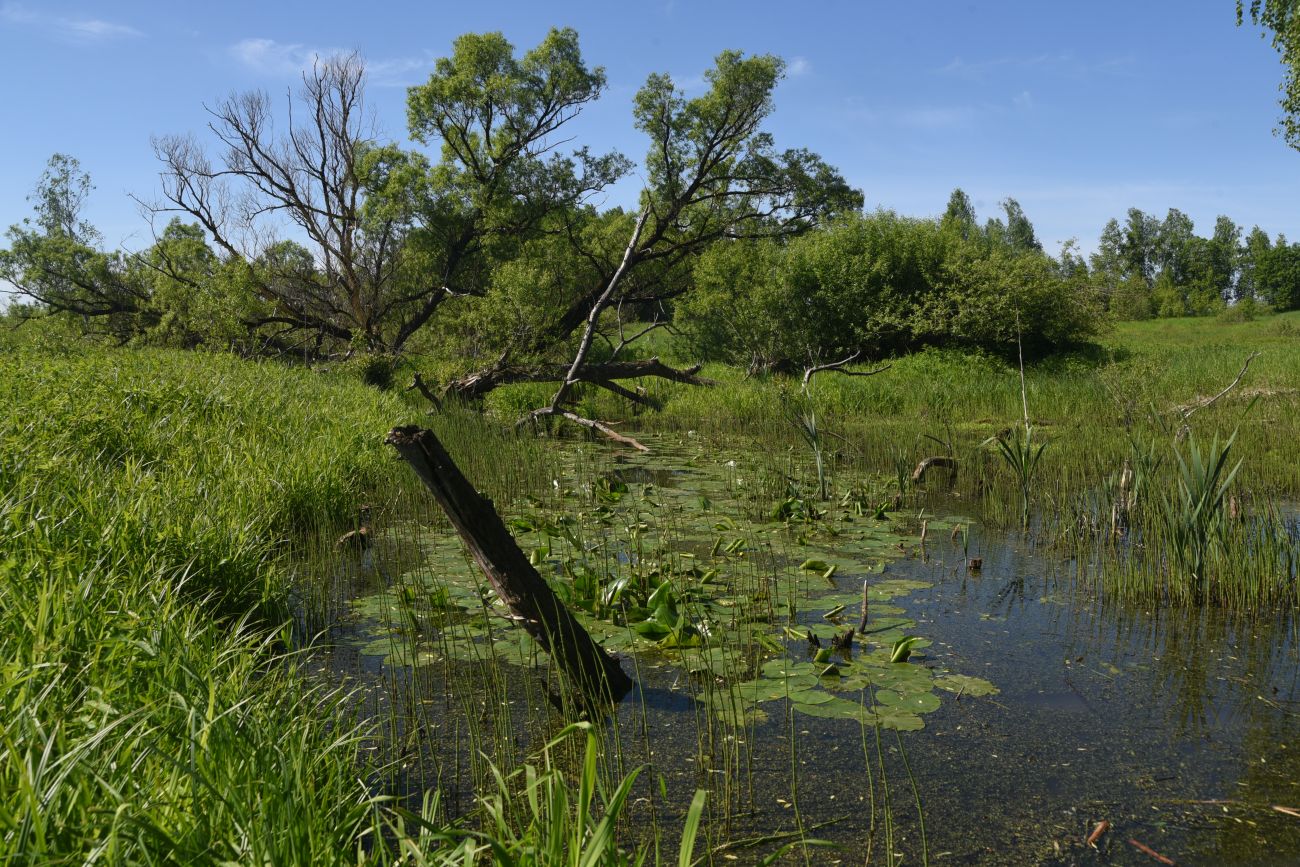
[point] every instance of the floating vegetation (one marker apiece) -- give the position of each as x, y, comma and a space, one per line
735, 603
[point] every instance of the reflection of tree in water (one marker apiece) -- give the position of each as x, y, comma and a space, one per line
1209, 664
1227, 678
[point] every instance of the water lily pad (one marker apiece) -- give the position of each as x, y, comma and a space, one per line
917, 702
965, 685
897, 718
837, 708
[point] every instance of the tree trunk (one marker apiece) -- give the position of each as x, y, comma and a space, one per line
530, 600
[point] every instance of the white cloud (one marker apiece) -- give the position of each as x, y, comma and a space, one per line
269, 57
399, 71
93, 28
799, 66
17, 13
82, 30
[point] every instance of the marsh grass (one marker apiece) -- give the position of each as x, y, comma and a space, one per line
1092, 406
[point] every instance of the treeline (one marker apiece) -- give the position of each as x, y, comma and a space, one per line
482, 251
1151, 267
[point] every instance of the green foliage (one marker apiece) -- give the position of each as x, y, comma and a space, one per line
147, 715
1277, 276
1281, 18
884, 283
1022, 455
1194, 518
537, 817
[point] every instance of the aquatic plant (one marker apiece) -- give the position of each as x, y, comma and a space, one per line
1022, 455
1193, 520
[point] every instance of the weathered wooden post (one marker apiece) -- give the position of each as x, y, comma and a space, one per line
530, 599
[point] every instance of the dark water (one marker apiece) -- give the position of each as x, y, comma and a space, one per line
1182, 730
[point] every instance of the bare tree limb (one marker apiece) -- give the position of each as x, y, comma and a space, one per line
592, 424
481, 382
418, 383
839, 367
593, 317
638, 396
1186, 411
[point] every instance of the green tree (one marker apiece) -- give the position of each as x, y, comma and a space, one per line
1277, 275
1225, 256
391, 234
1020, 235
1282, 19
1254, 249
959, 217
1140, 246
1174, 247
712, 174
55, 259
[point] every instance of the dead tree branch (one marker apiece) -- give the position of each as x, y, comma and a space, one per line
418, 383
1187, 411
480, 383
589, 333
840, 367
1195, 406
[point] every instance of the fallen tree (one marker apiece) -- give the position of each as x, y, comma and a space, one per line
527, 596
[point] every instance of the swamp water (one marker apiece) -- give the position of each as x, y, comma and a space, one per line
1015, 706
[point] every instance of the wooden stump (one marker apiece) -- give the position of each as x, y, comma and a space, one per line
918, 474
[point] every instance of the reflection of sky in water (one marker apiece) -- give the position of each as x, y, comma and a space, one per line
1181, 730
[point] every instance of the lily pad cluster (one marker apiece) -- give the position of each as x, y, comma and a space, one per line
743, 604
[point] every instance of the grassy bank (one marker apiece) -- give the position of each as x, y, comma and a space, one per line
151, 713
146, 715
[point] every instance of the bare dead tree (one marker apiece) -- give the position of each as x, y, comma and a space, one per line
309, 174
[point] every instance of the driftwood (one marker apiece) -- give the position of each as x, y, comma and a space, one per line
918, 474
526, 594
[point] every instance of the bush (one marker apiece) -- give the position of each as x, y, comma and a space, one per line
884, 284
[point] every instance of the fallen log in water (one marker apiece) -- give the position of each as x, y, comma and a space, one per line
918, 474
526, 594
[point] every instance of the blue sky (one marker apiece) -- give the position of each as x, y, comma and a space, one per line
1078, 110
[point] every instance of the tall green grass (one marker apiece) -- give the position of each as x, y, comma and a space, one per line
152, 707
